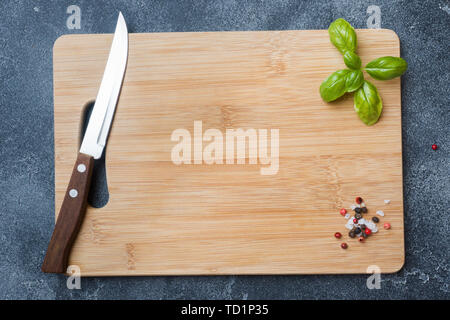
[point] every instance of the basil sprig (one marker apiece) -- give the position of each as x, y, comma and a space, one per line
367, 101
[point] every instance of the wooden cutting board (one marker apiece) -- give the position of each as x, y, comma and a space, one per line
168, 219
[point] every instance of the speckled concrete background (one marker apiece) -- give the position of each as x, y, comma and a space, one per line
27, 32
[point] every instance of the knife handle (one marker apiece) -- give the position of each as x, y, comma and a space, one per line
70, 216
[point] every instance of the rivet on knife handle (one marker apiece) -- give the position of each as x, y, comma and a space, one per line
70, 216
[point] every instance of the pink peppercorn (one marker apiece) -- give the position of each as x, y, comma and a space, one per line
343, 211
367, 231
344, 245
338, 235
434, 147
387, 225
355, 220
358, 200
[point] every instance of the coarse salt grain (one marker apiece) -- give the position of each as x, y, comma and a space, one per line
387, 201
349, 225
371, 225
353, 207
347, 216
380, 213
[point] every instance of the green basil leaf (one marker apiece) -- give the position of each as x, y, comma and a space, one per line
334, 86
386, 68
352, 60
342, 35
368, 104
353, 80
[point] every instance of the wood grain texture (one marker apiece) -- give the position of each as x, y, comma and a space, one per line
70, 216
163, 219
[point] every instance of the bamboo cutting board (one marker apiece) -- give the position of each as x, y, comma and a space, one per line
167, 219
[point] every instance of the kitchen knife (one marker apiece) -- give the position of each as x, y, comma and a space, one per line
75, 200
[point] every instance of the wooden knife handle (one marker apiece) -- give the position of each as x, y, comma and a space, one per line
70, 216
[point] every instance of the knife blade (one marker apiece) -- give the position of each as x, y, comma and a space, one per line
74, 204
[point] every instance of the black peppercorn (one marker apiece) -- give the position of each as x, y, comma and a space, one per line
364, 210
358, 216
357, 230
375, 219
351, 234
358, 210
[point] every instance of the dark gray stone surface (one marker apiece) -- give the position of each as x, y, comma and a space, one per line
27, 32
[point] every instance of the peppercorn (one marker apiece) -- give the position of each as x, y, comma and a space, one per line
358, 200
367, 231
338, 235
355, 220
434, 147
357, 231
358, 210
361, 239
364, 210
344, 245
343, 211
375, 219
387, 225
352, 234
358, 216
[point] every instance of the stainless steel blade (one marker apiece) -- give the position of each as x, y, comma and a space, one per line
97, 130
